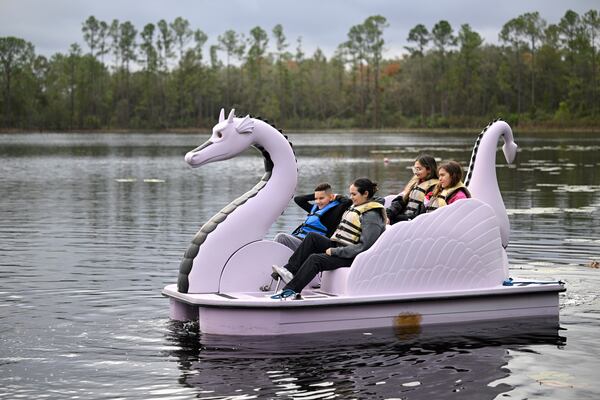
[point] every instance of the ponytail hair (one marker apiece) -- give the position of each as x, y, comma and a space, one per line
364, 185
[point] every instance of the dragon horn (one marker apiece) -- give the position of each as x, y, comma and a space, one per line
231, 115
222, 115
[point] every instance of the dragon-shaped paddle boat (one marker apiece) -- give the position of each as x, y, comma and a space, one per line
447, 266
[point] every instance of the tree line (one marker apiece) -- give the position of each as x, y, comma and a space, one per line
167, 77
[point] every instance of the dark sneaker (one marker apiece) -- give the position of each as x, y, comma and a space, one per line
285, 294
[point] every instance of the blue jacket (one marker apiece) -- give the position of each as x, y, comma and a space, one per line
313, 222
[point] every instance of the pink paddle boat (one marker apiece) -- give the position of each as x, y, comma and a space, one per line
448, 266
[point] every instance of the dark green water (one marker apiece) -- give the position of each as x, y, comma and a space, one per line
93, 226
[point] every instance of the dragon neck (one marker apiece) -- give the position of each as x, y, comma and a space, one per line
482, 166
278, 184
483, 157
481, 178
265, 202
249, 217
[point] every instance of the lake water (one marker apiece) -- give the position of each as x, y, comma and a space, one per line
93, 226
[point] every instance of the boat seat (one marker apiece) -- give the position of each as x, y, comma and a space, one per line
335, 281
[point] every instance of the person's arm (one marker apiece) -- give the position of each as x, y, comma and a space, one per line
372, 226
303, 201
396, 208
343, 200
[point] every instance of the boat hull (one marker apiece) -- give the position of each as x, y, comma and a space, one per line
257, 314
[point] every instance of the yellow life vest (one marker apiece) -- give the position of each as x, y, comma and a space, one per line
349, 229
416, 197
445, 195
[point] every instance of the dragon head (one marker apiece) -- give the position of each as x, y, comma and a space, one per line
510, 150
229, 138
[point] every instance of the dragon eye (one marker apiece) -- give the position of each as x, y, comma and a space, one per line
219, 135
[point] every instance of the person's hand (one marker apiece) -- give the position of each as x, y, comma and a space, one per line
328, 251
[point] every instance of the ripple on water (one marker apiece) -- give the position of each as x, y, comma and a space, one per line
534, 211
93, 226
577, 188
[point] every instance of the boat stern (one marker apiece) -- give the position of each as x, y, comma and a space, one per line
179, 309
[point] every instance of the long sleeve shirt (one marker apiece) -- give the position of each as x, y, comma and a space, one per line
372, 225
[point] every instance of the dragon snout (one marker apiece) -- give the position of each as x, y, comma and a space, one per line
191, 157
188, 157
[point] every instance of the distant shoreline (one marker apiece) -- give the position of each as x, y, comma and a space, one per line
401, 131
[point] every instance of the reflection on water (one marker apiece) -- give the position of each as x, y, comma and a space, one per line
436, 362
93, 226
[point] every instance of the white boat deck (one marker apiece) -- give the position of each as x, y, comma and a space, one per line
318, 298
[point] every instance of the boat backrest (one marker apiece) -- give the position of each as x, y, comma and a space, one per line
388, 200
456, 247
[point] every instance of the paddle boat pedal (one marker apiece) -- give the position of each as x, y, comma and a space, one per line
267, 287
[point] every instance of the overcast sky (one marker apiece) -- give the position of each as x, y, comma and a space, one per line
52, 25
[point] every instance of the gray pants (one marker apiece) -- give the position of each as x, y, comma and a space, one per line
288, 240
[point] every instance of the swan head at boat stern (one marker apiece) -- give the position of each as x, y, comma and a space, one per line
229, 138
509, 148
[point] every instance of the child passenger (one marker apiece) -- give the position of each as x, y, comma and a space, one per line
324, 215
450, 187
409, 203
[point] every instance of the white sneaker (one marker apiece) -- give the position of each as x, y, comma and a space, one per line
283, 273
